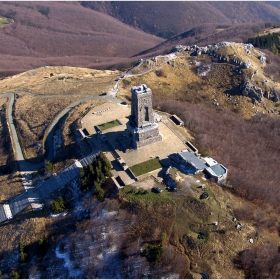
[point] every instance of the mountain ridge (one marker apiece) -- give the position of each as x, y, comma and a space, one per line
171, 18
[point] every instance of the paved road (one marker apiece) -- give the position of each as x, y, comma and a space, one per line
27, 166
23, 164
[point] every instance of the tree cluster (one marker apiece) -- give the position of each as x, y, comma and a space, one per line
270, 41
22, 252
265, 264
96, 174
153, 253
57, 205
43, 10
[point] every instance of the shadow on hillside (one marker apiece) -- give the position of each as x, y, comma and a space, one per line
234, 91
38, 248
7, 169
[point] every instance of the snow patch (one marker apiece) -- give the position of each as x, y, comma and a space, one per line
59, 215
73, 273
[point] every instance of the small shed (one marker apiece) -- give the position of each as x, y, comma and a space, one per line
177, 120
218, 172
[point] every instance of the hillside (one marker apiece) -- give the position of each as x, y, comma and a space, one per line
210, 34
35, 34
169, 18
235, 122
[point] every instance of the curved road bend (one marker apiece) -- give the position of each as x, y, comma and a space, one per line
23, 164
50, 131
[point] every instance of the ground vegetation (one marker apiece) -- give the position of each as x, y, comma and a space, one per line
95, 175
145, 167
270, 41
173, 18
248, 148
57, 205
40, 34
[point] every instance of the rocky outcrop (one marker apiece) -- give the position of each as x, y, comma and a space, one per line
276, 95
214, 51
251, 91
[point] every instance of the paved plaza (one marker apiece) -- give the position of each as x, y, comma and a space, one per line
170, 143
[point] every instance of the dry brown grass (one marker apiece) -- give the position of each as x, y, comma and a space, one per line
31, 112
50, 80
44, 92
11, 186
267, 31
73, 147
181, 82
3, 130
10, 181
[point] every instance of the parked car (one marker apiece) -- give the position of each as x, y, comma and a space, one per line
156, 189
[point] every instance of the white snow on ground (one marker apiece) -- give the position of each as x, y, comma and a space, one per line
58, 215
73, 273
172, 276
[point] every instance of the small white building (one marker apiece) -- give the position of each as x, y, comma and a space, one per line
193, 164
215, 170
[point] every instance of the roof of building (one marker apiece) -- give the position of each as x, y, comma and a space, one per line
193, 160
217, 170
210, 161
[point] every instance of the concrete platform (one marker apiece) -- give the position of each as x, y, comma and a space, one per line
170, 143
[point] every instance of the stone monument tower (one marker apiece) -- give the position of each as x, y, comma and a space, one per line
141, 125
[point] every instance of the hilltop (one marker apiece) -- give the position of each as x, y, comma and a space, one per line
36, 34
226, 94
214, 76
206, 34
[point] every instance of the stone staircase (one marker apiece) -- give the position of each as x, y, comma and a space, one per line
34, 195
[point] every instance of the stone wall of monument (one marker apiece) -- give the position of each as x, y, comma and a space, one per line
142, 125
148, 141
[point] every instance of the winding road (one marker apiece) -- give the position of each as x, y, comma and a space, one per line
33, 194
24, 165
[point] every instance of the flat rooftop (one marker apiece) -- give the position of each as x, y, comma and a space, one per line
193, 160
218, 169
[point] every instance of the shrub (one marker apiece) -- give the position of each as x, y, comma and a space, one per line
153, 253
161, 73
15, 275
42, 247
22, 252
43, 10
163, 238
49, 166
57, 205
99, 192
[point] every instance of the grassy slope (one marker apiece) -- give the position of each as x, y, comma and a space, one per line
180, 81
44, 93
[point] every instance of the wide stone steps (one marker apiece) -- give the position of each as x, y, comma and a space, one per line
34, 196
